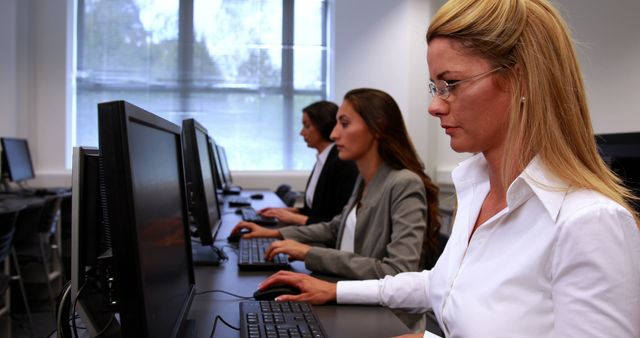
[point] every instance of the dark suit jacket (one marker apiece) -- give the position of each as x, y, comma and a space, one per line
333, 189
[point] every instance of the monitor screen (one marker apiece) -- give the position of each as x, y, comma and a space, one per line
622, 153
16, 160
203, 202
146, 198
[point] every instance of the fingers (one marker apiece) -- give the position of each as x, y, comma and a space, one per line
282, 277
276, 248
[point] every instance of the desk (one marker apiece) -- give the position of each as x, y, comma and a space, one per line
337, 320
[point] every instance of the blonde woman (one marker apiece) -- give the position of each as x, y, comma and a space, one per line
544, 243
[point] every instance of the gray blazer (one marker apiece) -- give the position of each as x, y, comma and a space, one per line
390, 227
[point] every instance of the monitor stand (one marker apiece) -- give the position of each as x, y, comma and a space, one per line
206, 254
231, 191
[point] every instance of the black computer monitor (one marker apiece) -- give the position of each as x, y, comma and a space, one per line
90, 239
16, 160
201, 191
622, 153
227, 180
147, 275
217, 173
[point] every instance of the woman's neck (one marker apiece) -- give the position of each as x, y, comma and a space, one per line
368, 166
321, 147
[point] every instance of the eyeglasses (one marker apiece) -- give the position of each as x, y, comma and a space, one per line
444, 90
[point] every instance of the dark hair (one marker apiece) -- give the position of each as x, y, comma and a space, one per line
383, 117
323, 116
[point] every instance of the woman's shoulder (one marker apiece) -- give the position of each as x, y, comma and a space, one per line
585, 204
403, 177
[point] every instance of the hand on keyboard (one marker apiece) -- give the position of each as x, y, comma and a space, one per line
256, 230
295, 249
285, 215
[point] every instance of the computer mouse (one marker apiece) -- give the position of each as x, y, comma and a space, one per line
274, 291
238, 211
236, 237
257, 196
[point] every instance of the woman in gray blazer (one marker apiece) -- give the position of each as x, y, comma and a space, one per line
390, 223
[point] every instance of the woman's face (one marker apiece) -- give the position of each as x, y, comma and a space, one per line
353, 139
310, 133
476, 113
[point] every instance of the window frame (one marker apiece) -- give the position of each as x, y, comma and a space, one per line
186, 86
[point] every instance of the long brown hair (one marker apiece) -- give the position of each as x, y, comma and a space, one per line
384, 119
549, 115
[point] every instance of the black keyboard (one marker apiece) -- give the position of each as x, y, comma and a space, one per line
251, 215
251, 255
238, 201
278, 319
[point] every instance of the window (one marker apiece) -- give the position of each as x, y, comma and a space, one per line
242, 68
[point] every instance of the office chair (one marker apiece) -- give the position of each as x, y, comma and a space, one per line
282, 190
36, 242
290, 198
7, 230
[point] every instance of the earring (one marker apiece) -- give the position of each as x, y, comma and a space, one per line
523, 99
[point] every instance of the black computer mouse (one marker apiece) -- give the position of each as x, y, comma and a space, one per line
236, 237
274, 291
257, 196
238, 211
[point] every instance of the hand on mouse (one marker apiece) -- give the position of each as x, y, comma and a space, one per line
312, 290
256, 230
294, 249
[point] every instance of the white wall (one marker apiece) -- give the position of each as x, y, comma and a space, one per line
376, 43
608, 43
8, 102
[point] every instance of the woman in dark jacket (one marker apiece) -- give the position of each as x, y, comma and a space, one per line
332, 179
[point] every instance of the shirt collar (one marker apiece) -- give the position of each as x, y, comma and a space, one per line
322, 157
535, 179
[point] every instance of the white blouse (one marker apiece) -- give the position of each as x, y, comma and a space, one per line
349, 235
555, 262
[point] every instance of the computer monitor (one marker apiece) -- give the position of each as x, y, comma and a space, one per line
217, 173
147, 275
227, 181
90, 240
201, 191
16, 160
622, 153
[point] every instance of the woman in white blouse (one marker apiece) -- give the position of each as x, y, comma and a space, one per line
545, 243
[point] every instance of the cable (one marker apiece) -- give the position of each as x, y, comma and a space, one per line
62, 311
105, 327
75, 301
225, 292
215, 323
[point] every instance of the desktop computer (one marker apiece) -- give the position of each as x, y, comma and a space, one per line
204, 211
132, 272
17, 167
621, 152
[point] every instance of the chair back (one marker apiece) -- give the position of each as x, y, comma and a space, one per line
7, 229
49, 215
290, 198
282, 190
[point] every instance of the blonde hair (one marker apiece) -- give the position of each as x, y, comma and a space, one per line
531, 40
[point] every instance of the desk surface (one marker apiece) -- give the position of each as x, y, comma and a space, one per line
337, 320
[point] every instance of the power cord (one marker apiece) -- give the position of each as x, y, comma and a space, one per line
225, 292
215, 323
